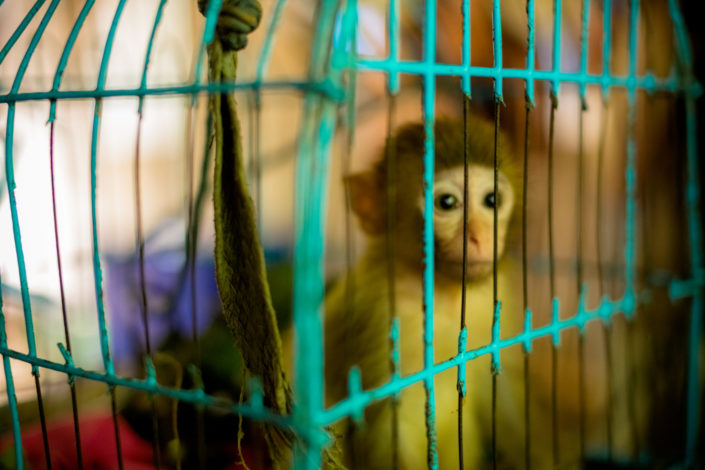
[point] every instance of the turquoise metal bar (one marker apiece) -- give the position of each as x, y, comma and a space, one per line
308, 254
555, 318
266, 53
495, 363
557, 13
11, 397
647, 82
148, 54
394, 38
462, 346
603, 312
97, 272
354, 387
429, 105
208, 34
497, 45
322, 87
465, 82
526, 342
630, 187
396, 351
68, 47
531, 52
9, 172
195, 396
606, 44
10, 177
20, 29
584, 38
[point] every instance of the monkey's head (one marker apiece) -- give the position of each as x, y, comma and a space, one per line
402, 161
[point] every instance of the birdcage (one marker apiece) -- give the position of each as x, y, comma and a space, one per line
110, 132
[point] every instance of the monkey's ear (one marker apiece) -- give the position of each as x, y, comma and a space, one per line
368, 200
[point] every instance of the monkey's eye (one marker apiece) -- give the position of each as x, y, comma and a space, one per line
446, 202
490, 200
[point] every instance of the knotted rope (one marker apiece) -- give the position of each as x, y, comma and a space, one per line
239, 259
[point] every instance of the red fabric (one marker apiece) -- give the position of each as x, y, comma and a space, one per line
97, 445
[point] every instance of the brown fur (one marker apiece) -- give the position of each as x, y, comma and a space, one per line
357, 316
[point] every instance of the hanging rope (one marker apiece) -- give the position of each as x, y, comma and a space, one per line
239, 259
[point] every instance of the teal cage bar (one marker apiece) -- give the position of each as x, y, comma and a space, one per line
328, 88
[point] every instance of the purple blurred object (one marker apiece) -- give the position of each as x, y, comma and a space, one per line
169, 294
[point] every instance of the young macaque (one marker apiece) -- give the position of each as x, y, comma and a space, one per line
357, 309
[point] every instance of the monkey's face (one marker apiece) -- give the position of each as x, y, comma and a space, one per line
448, 219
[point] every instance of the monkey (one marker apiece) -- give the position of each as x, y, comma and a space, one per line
357, 307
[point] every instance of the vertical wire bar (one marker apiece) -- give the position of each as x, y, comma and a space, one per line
529, 98
606, 330
350, 242
97, 273
466, 49
345, 56
530, 51
495, 301
193, 234
211, 14
391, 265
629, 301
394, 21
631, 389
585, 22
551, 260
262, 64
429, 104
61, 67
68, 47
257, 154
11, 397
190, 273
139, 237
606, 58
266, 53
309, 244
20, 29
462, 339
525, 292
552, 270
579, 286
190, 242
497, 49
10, 178
393, 86
463, 335
630, 176
498, 63
67, 337
211, 18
